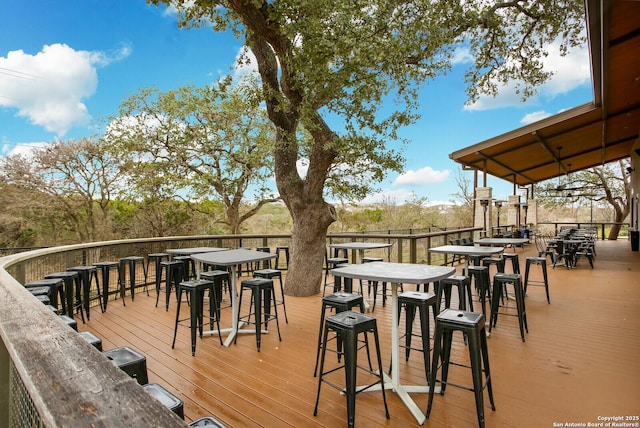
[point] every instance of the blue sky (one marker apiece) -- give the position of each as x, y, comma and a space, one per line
65, 66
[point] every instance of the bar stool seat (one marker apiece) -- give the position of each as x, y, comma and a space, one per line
130, 361
189, 271
87, 275
71, 287
500, 282
104, 268
221, 281
69, 321
540, 261
472, 325
168, 399
195, 290
207, 421
261, 293
349, 325
93, 340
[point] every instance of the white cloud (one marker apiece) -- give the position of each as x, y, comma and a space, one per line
49, 88
245, 64
25, 149
423, 176
534, 117
570, 72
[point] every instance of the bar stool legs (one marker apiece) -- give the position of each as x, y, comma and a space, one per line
349, 325
500, 281
542, 261
472, 325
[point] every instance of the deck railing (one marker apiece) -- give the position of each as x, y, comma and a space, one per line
51, 377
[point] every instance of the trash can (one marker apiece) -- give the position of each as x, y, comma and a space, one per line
635, 239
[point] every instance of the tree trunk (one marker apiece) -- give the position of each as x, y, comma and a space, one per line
613, 233
308, 248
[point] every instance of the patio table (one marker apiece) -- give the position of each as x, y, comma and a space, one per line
504, 242
360, 246
397, 274
232, 258
466, 250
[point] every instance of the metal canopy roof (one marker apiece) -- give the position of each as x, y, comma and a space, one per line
589, 135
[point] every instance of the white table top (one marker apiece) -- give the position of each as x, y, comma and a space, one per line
360, 245
466, 250
232, 257
502, 241
195, 250
403, 273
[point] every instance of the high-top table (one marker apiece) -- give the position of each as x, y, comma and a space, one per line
360, 246
195, 250
503, 242
232, 258
397, 274
466, 250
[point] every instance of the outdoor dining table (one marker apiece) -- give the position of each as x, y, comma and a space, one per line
397, 274
502, 242
232, 258
194, 250
360, 246
467, 250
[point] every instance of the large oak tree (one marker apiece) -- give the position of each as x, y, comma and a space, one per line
360, 63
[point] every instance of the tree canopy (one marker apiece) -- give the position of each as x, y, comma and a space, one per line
361, 63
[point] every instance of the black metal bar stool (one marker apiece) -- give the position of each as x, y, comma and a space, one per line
331, 263
131, 263
500, 282
481, 281
105, 268
349, 325
195, 293
464, 292
498, 262
174, 276
129, 361
540, 261
189, 271
221, 279
168, 399
261, 293
56, 289
155, 259
92, 339
87, 274
271, 274
472, 326
374, 284
72, 288
410, 301
285, 250
339, 302
69, 321
514, 259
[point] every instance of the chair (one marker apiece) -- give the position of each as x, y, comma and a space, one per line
92, 339
481, 280
55, 289
131, 263
130, 361
464, 292
514, 259
331, 263
195, 290
542, 262
285, 250
156, 259
207, 421
339, 301
349, 325
71, 282
169, 400
471, 324
500, 281
269, 273
174, 276
105, 268
87, 274
261, 291
410, 301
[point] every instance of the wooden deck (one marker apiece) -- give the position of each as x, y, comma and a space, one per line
579, 363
